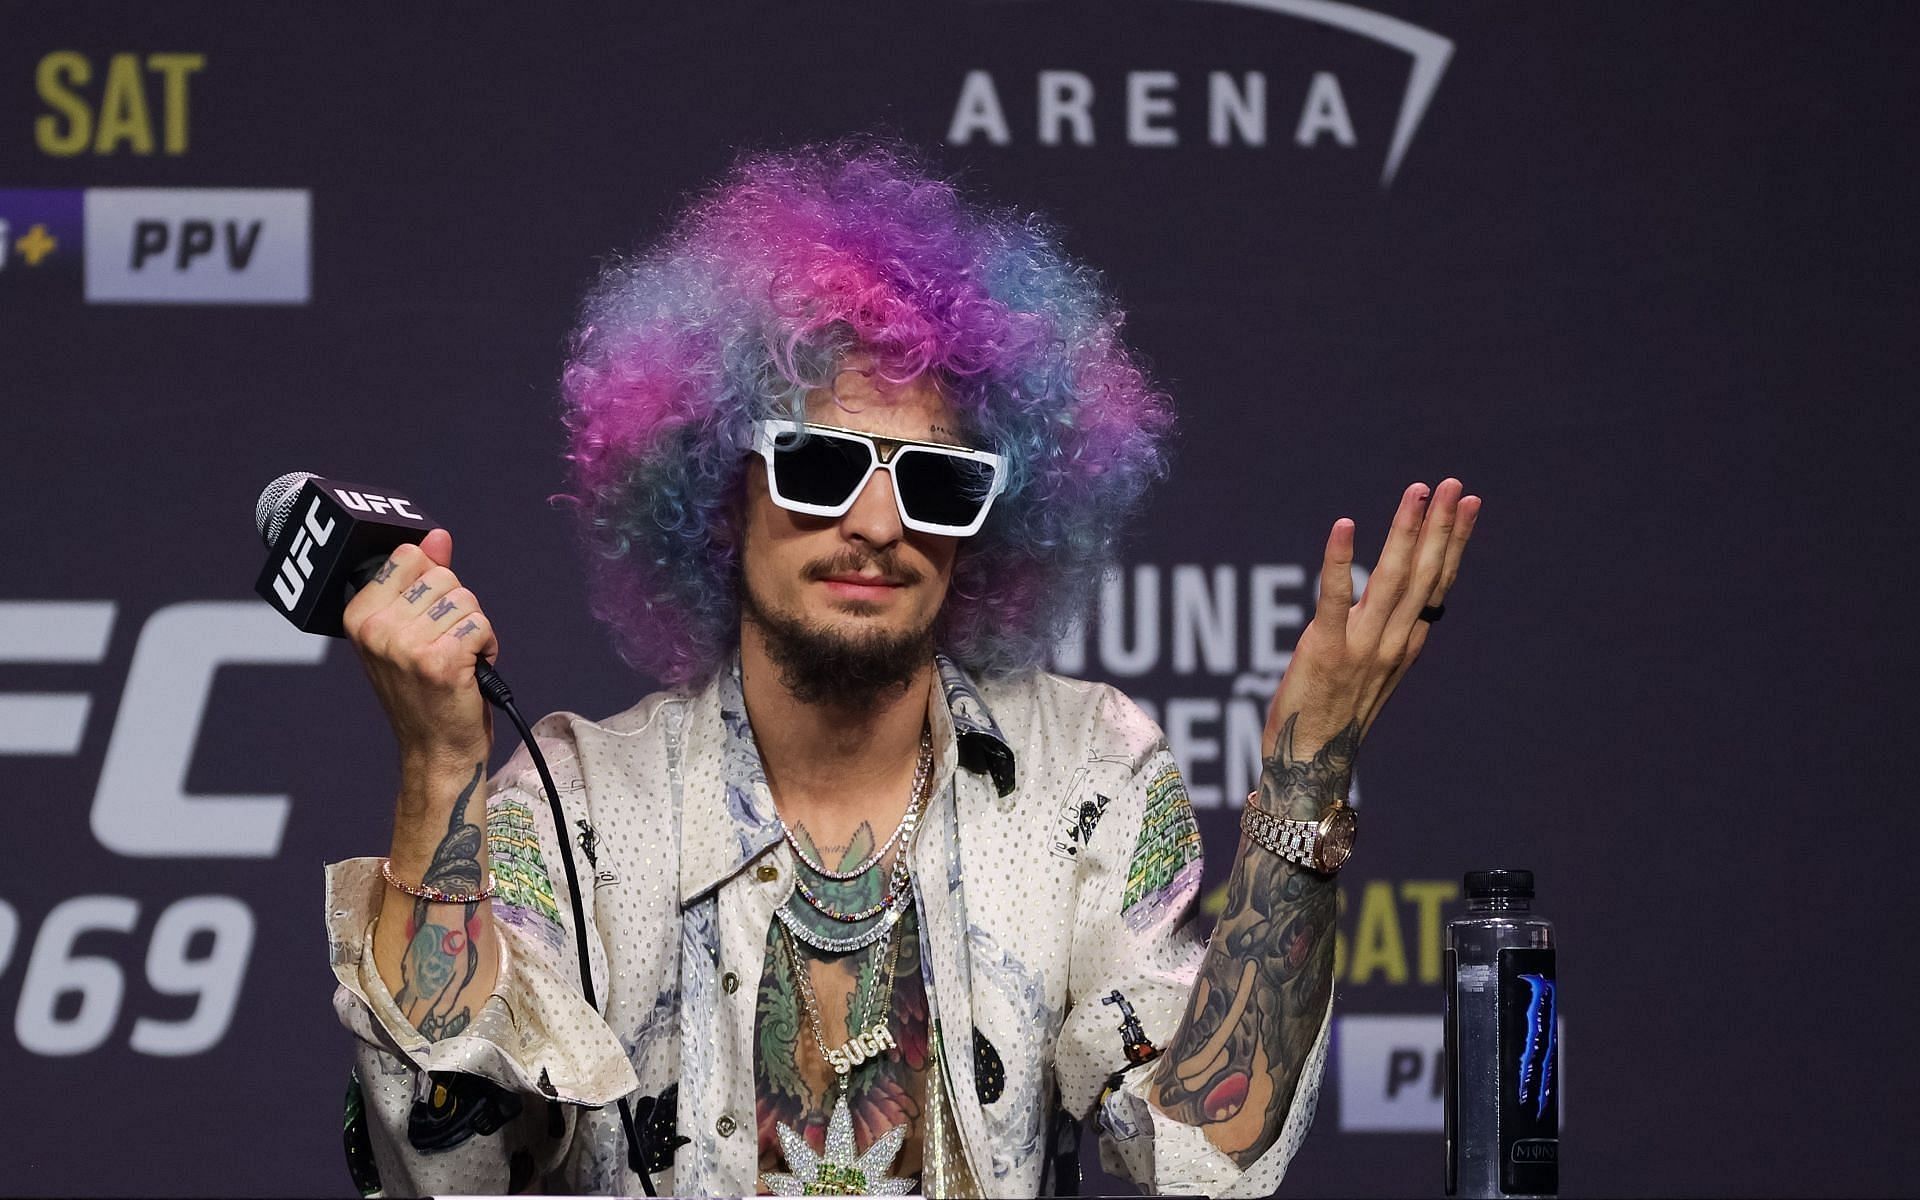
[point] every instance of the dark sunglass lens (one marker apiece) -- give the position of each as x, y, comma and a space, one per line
822, 469
940, 488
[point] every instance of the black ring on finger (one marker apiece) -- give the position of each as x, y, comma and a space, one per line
1431, 613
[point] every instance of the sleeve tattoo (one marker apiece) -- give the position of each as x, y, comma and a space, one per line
1233, 1065
441, 958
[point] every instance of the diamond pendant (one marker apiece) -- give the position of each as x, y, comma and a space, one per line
838, 1172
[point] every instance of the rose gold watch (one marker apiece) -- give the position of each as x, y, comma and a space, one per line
1323, 845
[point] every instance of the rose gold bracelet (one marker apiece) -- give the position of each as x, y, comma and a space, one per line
428, 892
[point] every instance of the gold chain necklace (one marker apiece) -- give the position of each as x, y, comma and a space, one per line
867, 1037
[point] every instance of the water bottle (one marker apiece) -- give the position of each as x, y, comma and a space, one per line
1503, 1060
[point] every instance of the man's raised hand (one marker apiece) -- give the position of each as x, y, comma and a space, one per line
1351, 656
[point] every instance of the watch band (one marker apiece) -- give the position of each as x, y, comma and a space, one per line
1322, 846
1295, 841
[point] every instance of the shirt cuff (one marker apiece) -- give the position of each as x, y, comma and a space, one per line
536, 1034
1170, 1157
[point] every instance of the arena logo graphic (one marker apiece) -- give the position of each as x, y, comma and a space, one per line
1237, 104
1225, 632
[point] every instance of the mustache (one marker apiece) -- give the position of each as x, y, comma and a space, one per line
855, 562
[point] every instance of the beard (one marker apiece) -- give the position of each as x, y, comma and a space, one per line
821, 665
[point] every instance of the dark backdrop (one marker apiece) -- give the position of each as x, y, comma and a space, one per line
1641, 275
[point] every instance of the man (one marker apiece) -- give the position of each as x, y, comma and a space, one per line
875, 904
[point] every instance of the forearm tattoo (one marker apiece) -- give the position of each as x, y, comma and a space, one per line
442, 958
1235, 1062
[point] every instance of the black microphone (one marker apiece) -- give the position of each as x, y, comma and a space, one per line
327, 539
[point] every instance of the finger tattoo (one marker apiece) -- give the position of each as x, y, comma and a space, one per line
415, 592
464, 630
386, 571
441, 609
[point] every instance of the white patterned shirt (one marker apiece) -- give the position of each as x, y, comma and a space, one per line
1057, 864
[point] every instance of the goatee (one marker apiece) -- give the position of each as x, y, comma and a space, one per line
824, 666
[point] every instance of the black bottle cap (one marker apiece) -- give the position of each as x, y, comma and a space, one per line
1484, 884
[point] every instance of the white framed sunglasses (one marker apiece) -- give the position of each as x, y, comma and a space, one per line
936, 487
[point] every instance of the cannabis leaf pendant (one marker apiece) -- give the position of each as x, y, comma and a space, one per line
838, 1172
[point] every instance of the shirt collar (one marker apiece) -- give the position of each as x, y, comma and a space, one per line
982, 747
730, 825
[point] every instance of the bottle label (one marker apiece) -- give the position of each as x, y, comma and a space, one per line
1451, 1044
1529, 1109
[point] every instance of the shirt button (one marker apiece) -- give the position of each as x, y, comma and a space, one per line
724, 1126
766, 873
730, 983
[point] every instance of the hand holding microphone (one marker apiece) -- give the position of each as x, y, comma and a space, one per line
345, 562
419, 633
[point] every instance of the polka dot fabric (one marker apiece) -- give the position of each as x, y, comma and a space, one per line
1027, 921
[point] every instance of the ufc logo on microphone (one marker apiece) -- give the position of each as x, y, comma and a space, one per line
369, 502
297, 567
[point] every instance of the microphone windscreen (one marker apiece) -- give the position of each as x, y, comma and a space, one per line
275, 506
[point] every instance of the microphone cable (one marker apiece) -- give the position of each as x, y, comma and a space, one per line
499, 695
